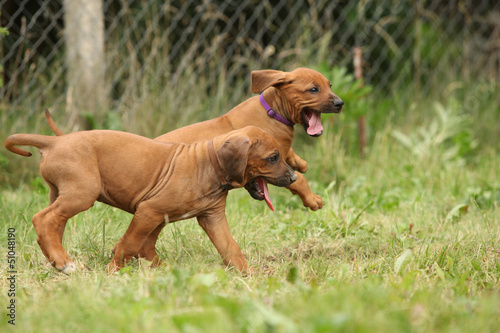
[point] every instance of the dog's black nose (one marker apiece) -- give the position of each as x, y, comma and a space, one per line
338, 104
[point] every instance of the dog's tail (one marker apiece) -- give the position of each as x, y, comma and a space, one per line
35, 140
52, 124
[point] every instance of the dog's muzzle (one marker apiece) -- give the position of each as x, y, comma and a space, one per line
338, 105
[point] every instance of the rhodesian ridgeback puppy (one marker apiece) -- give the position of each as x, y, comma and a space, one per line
157, 182
297, 97
287, 98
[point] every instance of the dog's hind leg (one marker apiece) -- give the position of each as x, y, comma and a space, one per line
144, 222
38, 218
53, 193
50, 223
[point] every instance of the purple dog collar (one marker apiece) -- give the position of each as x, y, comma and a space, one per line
273, 114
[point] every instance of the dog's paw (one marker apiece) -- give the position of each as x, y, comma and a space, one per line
313, 202
63, 264
301, 165
157, 263
69, 268
249, 271
113, 267
297, 164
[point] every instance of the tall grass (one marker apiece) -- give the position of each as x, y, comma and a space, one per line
407, 241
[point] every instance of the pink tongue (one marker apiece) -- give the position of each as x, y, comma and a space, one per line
315, 126
263, 186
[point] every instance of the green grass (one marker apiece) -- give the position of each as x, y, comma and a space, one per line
408, 241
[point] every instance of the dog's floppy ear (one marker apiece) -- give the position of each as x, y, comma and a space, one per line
263, 79
233, 157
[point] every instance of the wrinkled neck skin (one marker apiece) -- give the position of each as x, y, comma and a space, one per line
206, 191
281, 104
197, 188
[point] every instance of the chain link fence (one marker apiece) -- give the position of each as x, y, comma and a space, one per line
163, 56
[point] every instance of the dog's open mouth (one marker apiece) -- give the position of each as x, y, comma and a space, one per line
312, 122
257, 188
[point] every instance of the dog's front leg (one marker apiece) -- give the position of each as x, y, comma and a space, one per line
301, 188
148, 249
217, 229
143, 223
295, 161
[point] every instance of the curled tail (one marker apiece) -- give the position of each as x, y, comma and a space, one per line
35, 140
52, 124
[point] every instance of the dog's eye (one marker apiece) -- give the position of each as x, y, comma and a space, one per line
273, 159
314, 90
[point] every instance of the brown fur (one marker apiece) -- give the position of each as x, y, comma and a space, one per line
288, 93
157, 182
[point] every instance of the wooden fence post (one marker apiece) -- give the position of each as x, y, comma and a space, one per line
84, 36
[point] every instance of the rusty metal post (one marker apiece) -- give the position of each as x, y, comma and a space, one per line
358, 75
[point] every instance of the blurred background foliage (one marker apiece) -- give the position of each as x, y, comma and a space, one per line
431, 68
